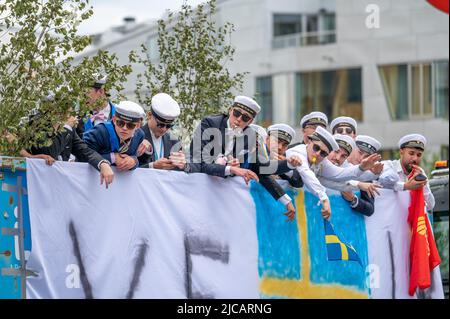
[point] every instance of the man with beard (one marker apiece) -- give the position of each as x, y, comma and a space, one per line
388, 230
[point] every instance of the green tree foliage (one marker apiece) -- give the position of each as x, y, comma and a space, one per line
193, 53
38, 40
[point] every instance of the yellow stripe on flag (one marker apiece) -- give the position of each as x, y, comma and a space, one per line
344, 252
332, 239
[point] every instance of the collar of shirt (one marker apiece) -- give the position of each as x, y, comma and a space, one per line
399, 169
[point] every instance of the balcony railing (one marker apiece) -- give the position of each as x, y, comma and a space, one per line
304, 39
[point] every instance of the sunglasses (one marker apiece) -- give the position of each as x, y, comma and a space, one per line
237, 114
163, 125
122, 123
316, 148
344, 130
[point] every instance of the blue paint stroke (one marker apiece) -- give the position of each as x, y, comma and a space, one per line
278, 240
350, 227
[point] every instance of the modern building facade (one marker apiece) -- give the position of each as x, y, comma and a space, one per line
383, 62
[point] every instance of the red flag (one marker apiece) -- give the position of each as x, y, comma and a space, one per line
439, 4
423, 252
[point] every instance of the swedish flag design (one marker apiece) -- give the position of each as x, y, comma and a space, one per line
336, 249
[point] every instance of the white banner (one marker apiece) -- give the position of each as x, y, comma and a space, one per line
152, 234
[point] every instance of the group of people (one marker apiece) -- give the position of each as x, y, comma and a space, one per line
232, 145
330, 155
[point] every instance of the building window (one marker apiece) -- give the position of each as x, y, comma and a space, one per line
441, 89
418, 90
293, 30
264, 97
284, 24
153, 49
335, 93
444, 152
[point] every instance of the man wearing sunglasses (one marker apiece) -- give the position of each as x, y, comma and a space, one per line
159, 149
103, 109
315, 164
344, 125
225, 145
118, 141
364, 203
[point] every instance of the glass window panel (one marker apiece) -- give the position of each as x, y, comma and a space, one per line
328, 92
415, 90
153, 49
427, 92
441, 89
395, 84
264, 97
285, 24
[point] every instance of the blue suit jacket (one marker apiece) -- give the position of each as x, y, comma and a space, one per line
100, 140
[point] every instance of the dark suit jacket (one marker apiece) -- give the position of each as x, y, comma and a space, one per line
98, 139
66, 143
365, 204
295, 180
170, 145
250, 155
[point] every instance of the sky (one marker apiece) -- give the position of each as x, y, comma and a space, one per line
108, 13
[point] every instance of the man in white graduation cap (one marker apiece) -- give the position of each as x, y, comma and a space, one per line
160, 149
364, 203
118, 141
388, 230
309, 123
315, 164
278, 139
225, 145
344, 125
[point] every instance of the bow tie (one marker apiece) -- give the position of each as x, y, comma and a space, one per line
99, 116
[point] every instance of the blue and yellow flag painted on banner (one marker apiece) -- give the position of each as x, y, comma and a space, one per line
336, 249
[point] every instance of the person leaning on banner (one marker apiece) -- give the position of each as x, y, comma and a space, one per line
315, 164
159, 149
103, 109
118, 140
364, 203
309, 123
225, 145
279, 136
65, 142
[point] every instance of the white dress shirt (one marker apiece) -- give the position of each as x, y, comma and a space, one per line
158, 148
393, 177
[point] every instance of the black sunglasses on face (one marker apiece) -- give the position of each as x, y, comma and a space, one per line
122, 123
162, 125
238, 114
344, 130
316, 148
